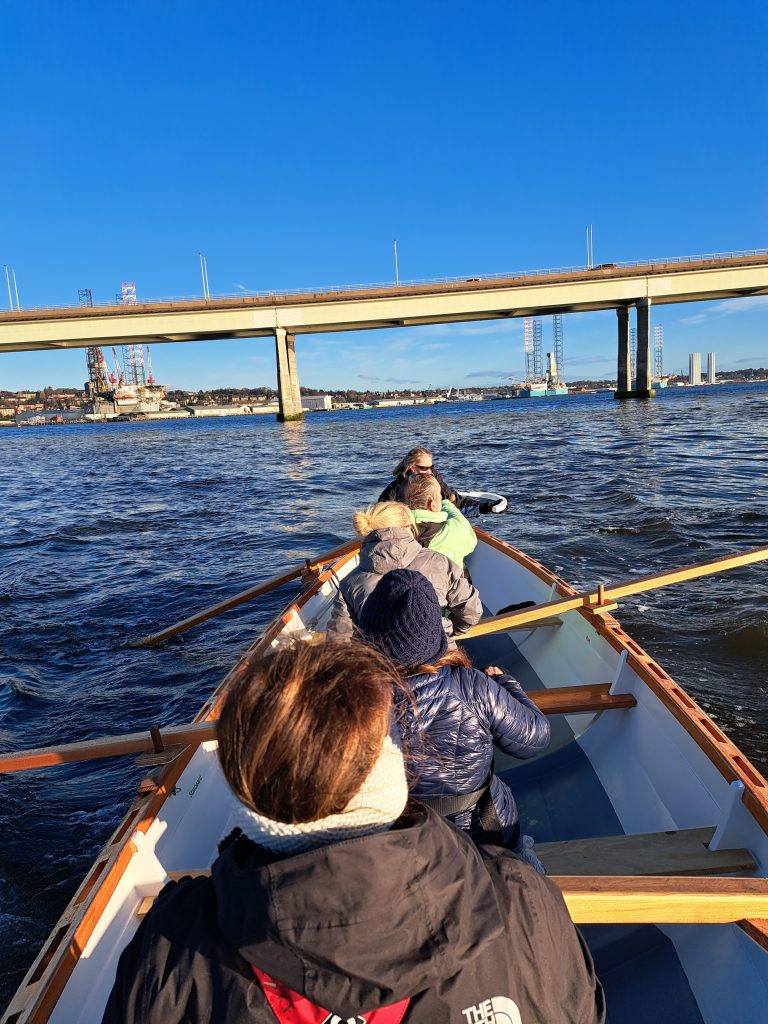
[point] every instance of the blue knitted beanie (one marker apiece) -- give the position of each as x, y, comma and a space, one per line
402, 618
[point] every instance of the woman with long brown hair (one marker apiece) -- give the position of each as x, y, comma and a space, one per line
335, 899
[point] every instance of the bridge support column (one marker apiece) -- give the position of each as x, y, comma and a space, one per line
623, 373
288, 393
643, 361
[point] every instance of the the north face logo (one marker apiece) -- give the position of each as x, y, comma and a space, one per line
499, 1010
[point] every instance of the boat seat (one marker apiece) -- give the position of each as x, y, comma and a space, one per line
684, 852
583, 698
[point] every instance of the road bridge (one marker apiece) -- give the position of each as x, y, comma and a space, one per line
284, 316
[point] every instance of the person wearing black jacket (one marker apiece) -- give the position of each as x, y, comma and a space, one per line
419, 460
338, 898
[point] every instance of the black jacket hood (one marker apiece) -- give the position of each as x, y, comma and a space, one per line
416, 903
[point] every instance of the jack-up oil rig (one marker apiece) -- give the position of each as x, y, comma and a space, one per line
129, 389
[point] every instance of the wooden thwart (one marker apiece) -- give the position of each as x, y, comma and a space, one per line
564, 700
623, 899
603, 598
683, 852
567, 700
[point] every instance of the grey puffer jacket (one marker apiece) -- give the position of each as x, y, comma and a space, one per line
396, 548
460, 713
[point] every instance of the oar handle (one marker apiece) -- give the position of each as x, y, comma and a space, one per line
605, 595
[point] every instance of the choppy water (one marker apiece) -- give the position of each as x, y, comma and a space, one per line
112, 532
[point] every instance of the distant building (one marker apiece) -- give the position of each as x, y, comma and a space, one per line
315, 403
711, 368
694, 368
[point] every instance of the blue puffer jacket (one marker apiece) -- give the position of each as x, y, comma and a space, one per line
460, 713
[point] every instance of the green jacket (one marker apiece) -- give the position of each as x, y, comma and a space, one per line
446, 531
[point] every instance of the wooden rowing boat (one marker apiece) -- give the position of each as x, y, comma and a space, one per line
652, 822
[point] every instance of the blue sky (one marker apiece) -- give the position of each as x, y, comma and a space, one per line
292, 142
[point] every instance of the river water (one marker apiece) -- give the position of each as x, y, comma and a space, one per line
110, 532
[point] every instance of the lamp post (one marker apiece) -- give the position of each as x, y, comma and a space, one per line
204, 275
8, 282
397, 274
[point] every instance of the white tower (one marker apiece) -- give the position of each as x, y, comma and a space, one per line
694, 368
711, 368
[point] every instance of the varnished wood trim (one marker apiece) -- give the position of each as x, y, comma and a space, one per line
756, 930
587, 697
633, 899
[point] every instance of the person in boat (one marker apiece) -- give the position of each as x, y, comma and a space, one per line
419, 461
388, 530
440, 526
458, 712
336, 898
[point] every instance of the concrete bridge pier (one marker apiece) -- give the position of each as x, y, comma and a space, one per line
624, 372
643, 361
288, 393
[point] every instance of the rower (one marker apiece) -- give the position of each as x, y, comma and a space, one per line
337, 898
439, 523
419, 461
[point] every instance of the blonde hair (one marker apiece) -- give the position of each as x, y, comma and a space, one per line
419, 489
381, 516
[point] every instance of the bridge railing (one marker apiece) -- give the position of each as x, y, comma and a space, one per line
395, 285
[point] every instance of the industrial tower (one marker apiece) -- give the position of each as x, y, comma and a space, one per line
557, 337
534, 362
528, 348
633, 358
98, 375
658, 351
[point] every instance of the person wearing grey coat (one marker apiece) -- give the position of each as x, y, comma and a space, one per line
396, 548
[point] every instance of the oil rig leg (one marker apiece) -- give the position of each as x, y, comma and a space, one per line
289, 395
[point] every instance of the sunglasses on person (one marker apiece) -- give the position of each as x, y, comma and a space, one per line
421, 469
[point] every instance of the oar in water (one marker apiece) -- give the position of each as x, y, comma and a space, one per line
598, 599
246, 595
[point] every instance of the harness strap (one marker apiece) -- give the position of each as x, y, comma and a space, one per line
490, 827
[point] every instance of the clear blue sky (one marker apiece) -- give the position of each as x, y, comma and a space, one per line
292, 142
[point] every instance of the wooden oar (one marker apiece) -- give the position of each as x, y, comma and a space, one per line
597, 599
246, 595
586, 697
